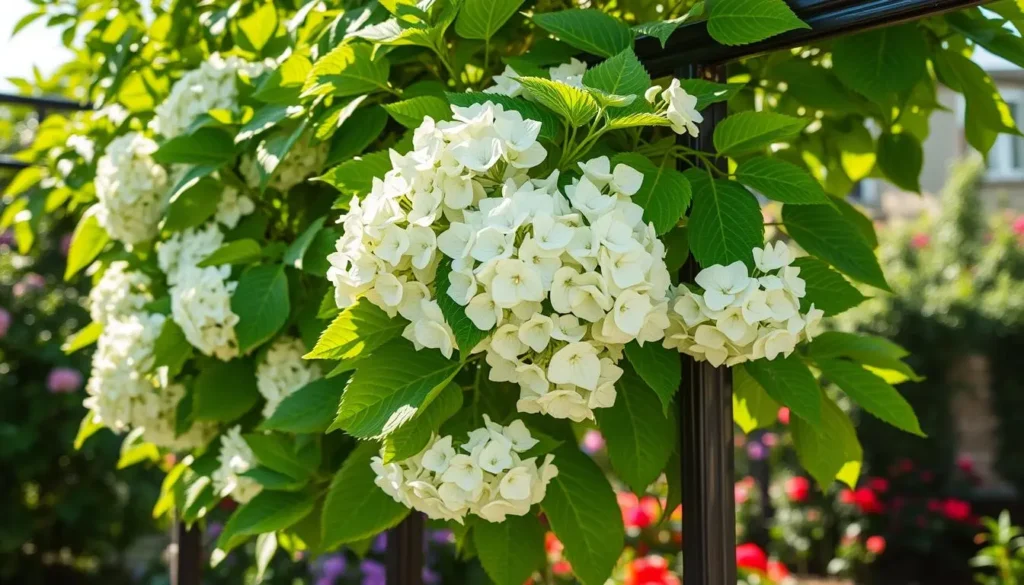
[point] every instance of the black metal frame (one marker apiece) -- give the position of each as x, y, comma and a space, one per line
42, 105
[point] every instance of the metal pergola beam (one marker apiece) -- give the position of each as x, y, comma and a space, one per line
43, 102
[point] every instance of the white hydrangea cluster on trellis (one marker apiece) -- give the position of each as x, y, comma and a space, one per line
130, 189
740, 316
485, 476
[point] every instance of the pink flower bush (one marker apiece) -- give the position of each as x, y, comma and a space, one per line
64, 380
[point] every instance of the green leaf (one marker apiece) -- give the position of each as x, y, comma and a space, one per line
637, 119
279, 453
674, 479
868, 350
574, 105
284, 83
511, 550
261, 303
725, 223
264, 119
410, 112
660, 368
297, 250
355, 177
412, 438
260, 26
989, 33
549, 122
752, 408
266, 546
134, 450
986, 113
171, 349
336, 116
87, 428
87, 241
355, 507
193, 205
467, 335
742, 22
789, 382
782, 181
275, 480
269, 511
224, 391
348, 70
582, 510
750, 131
638, 431
272, 151
826, 289
663, 29
380, 397
309, 409
664, 194
623, 74
84, 337
480, 19
588, 30
241, 251
862, 222
824, 232
901, 158
881, 63
356, 332
828, 450
356, 134
872, 393
709, 92
206, 146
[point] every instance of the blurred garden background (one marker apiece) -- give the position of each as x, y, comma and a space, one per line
935, 510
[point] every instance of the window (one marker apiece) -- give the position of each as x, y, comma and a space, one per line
1006, 159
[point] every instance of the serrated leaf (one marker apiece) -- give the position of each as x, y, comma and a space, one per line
355, 507
589, 30
224, 391
356, 332
789, 382
872, 393
410, 112
511, 550
261, 303
480, 19
295, 253
638, 432
826, 233
622, 74
237, 252
171, 349
336, 116
637, 119
356, 134
664, 194
467, 335
280, 453
263, 119
348, 70
986, 113
829, 450
271, 151
741, 22
752, 408
380, 397
750, 131
412, 438
826, 289
206, 146
550, 124
781, 181
284, 83
901, 158
709, 92
867, 350
87, 241
659, 367
268, 511
583, 513
193, 205
725, 224
309, 409
881, 63
355, 177
574, 105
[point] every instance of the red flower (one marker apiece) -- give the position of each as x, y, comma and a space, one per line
552, 545
920, 241
742, 489
651, 570
562, 568
798, 488
1018, 225
879, 484
867, 500
750, 556
956, 510
846, 497
777, 571
784, 415
905, 465
875, 545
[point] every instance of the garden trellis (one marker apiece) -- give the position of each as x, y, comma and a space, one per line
42, 106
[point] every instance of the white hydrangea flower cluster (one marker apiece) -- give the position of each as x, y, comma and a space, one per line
120, 291
124, 393
236, 458
486, 476
283, 371
507, 83
739, 316
131, 189
200, 297
210, 87
678, 106
232, 207
304, 159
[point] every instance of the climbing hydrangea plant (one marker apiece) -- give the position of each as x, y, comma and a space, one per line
356, 258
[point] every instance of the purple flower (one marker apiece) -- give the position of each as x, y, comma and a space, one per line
430, 577
756, 451
7, 238
213, 530
31, 282
441, 536
593, 442
374, 573
5, 322
380, 543
329, 569
63, 380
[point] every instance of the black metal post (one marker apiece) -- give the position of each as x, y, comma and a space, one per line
706, 431
405, 551
186, 554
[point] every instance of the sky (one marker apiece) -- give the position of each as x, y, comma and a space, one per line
34, 45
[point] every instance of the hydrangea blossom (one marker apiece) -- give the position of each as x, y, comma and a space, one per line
283, 371
485, 476
678, 106
187, 249
236, 458
737, 316
304, 159
131, 189
232, 207
119, 292
213, 86
507, 83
